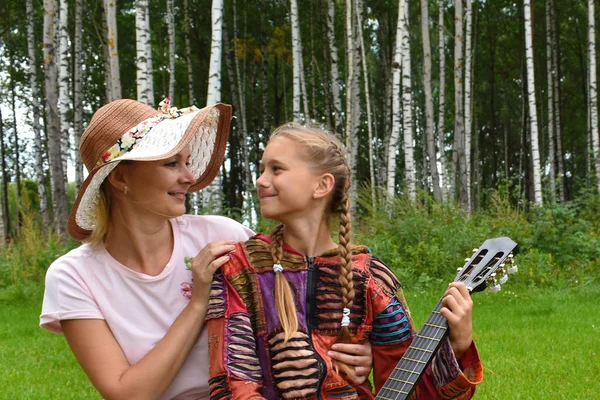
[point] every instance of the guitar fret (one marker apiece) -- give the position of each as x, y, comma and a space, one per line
420, 349
433, 339
413, 360
406, 370
400, 380
435, 326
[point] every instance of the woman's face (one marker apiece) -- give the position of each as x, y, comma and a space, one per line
159, 187
286, 183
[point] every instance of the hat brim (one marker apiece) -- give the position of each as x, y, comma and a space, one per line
205, 132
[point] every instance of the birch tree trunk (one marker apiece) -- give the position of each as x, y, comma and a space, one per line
468, 99
335, 74
442, 99
437, 194
409, 157
37, 129
557, 126
171, 33
110, 7
5, 220
16, 150
77, 94
535, 154
459, 160
297, 92
106, 53
188, 52
148, 55
396, 111
368, 101
593, 90
143, 92
550, 88
353, 108
59, 198
64, 102
216, 50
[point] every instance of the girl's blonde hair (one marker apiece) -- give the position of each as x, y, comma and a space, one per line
325, 154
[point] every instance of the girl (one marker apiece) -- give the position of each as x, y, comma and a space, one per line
284, 299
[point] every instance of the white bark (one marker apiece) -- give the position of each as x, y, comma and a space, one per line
353, 110
64, 100
37, 129
396, 114
550, 73
409, 157
593, 89
77, 94
148, 54
216, 50
110, 8
141, 9
437, 194
171, 33
368, 101
335, 74
442, 100
296, 52
535, 154
59, 198
188, 52
459, 160
468, 98
557, 126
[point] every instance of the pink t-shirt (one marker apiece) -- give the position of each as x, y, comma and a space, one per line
87, 283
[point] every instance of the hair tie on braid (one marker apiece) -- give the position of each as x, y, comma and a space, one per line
346, 317
277, 268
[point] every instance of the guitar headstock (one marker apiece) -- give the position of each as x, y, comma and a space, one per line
489, 265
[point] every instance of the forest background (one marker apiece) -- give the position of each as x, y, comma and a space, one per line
463, 120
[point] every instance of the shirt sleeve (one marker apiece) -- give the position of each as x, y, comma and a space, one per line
393, 332
235, 370
66, 296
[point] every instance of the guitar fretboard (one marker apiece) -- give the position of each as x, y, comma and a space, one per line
409, 370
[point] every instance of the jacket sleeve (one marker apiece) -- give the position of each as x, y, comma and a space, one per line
235, 370
393, 332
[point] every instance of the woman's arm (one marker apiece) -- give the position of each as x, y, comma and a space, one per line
104, 362
359, 356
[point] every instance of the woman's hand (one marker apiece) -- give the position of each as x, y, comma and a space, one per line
358, 356
457, 309
205, 264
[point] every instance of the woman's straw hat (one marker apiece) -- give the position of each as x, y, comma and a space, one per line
129, 130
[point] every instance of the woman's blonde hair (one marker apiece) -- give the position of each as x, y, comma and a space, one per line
325, 154
102, 219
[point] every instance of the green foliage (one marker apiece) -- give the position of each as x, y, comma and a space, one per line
425, 241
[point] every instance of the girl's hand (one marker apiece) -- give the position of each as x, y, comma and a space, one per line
457, 309
204, 265
358, 356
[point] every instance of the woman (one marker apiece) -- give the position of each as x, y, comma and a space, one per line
125, 300
284, 299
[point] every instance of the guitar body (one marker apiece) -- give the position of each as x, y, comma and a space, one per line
491, 259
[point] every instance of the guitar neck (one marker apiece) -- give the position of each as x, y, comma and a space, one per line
409, 370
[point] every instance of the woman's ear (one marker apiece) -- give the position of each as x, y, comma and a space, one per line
117, 179
325, 186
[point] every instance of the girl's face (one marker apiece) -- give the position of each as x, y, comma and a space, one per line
159, 187
286, 183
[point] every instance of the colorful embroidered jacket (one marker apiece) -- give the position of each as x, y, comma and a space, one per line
249, 359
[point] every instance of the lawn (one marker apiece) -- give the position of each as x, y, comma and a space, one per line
535, 344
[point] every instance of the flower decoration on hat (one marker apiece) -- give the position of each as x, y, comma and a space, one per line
127, 142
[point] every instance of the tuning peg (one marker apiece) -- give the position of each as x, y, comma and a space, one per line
495, 289
467, 259
503, 279
512, 270
475, 250
458, 269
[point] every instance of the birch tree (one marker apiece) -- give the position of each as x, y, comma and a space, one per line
409, 158
4, 220
550, 88
593, 99
296, 66
468, 98
396, 113
216, 50
171, 33
557, 118
142, 76
64, 102
188, 51
334, 71
459, 160
442, 98
535, 154
77, 93
437, 194
148, 53
59, 198
110, 8
37, 129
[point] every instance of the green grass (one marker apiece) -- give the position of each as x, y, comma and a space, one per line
535, 344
